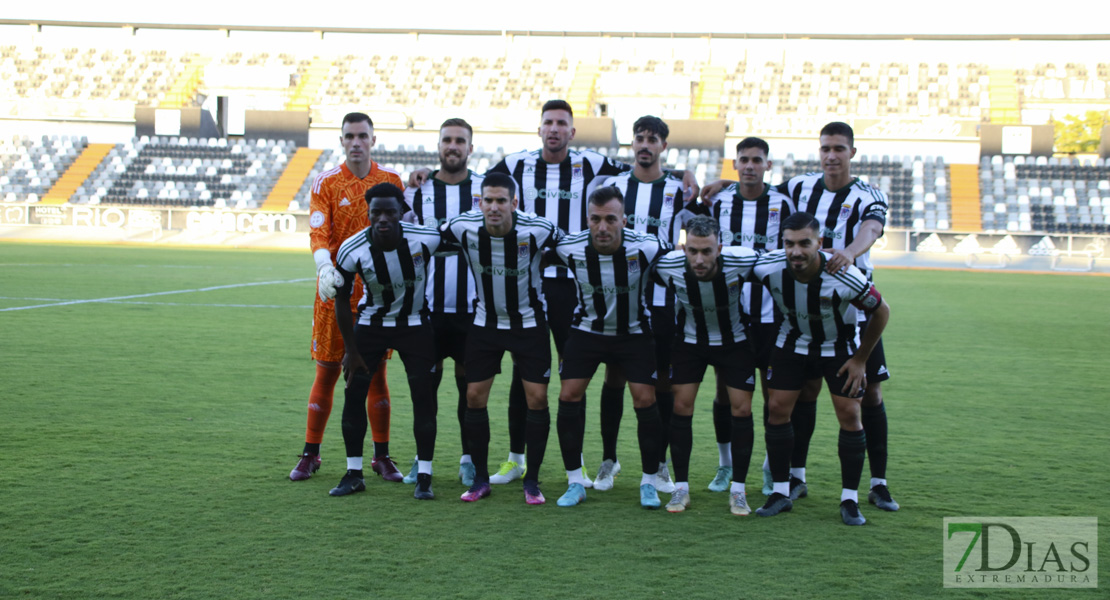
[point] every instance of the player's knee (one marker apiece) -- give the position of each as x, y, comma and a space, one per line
873, 394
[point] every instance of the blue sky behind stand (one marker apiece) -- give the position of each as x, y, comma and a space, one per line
712, 16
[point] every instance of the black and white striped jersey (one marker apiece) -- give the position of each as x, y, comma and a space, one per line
611, 286
393, 281
708, 311
753, 224
506, 269
450, 283
819, 317
654, 207
558, 192
840, 212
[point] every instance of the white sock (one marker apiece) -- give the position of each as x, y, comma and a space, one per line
647, 479
737, 487
766, 463
354, 463
465, 460
724, 454
424, 466
576, 476
800, 473
847, 494
682, 485
782, 487
517, 458
876, 481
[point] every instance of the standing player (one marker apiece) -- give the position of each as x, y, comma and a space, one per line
653, 203
450, 191
391, 258
706, 279
852, 215
503, 248
818, 339
338, 210
750, 214
610, 264
554, 183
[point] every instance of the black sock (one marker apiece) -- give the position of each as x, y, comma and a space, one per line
682, 444
665, 402
851, 446
874, 423
537, 429
381, 449
722, 420
424, 412
518, 413
354, 416
477, 431
804, 419
649, 431
582, 423
743, 438
612, 409
460, 384
355, 472
570, 445
311, 448
780, 444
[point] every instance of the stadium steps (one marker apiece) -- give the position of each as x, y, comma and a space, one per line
83, 166
711, 87
1005, 102
966, 210
287, 186
581, 92
184, 90
309, 85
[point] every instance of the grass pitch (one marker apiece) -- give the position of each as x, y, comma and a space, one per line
154, 402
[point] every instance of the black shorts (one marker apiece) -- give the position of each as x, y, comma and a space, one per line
634, 354
662, 330
415, 344
734, 363
561, 296
450, 332
762, 337
790, 371
876, 363
530, 349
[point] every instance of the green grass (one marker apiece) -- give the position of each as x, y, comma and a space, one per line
147, 443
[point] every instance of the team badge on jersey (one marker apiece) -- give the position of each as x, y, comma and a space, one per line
476, 199
576, 171
826, 303
633, 264
845, 211
317, 219
668, 199
734, 288
773, 215
522, 250
418, 260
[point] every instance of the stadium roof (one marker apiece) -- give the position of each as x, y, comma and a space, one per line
936, 19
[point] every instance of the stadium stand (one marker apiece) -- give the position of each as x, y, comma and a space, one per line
30, 167
1024, 193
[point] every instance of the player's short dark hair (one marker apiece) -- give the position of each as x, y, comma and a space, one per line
356, 117
500, 180
557, 105
753, 142
604, 195
387, 190
651, 124
457, 122
840, 128
703, 226
801, 220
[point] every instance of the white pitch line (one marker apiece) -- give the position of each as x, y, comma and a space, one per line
152, 294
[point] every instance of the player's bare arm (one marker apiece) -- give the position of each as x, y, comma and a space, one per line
857, 365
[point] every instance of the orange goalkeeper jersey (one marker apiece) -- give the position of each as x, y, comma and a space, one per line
338, 204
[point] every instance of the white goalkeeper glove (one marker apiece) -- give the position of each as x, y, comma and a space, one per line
328, 280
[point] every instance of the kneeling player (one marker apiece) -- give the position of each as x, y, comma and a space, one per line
817, 340
391, 258
706, 280
610, 264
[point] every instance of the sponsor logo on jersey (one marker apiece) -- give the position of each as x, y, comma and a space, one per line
317, 219
533, 193
344, 202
